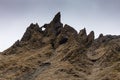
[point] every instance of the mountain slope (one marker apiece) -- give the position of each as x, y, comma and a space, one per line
60, 53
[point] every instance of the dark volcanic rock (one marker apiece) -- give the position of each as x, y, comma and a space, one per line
83, 33
82, 36
57, 18
100, 36
67, 34
55, 26
32, 30
90, 38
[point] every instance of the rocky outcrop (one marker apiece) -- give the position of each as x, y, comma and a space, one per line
66, 35
55, 26
82, 36
54, 34
32, 31
61, 53
57, 18
100, 36
90, 38
82, 33
16, 44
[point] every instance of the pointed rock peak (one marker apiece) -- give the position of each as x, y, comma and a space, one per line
83, 32
33, 28
91, 36
100, 36
57, 18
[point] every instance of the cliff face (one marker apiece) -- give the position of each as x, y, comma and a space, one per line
60, 53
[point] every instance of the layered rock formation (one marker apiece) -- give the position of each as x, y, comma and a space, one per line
61, 53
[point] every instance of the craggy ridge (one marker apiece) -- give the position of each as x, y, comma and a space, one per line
61, 53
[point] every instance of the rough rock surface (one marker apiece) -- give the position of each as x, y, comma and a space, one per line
60, 53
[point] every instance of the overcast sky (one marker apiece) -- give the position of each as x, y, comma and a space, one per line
102, 16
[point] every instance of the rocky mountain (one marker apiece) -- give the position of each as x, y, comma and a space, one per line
57, 52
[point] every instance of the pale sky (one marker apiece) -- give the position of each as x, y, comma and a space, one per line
102, 16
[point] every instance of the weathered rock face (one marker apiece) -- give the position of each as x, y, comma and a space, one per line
100, 36
90, 38
55, 26
32, 31
83, 33
60, 53
67, 34
82, 36
32, 36
57, 18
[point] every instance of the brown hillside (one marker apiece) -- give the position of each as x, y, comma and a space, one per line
60, 53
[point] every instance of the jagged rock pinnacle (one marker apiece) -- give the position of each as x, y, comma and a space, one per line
82, 32
33, 28
55, 26
90, 38
100, 36
82, 36
57, 18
